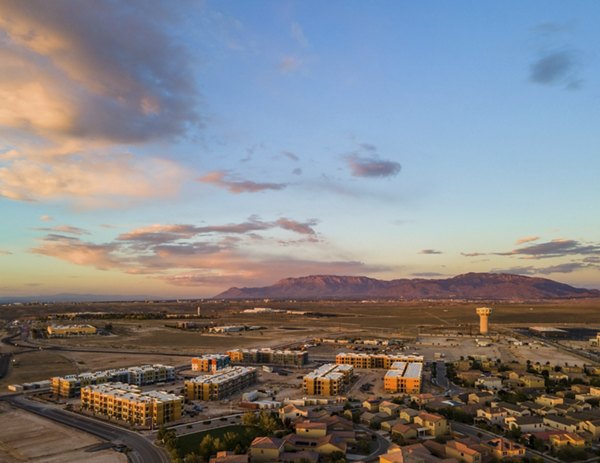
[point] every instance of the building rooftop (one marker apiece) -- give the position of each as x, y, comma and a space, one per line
226, 374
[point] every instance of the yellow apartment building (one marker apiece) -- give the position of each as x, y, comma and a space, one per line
360, 360
221, 384
127, 403
210, 363
328, 379
70, 385
403, 378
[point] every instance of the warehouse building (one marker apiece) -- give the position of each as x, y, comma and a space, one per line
328, 379
63, 331
222, 384
126, 402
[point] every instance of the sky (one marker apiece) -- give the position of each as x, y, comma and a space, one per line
176, 149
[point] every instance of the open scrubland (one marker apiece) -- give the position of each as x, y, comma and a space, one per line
143, 339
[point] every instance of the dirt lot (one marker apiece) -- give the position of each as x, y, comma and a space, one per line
34, 439
37, 366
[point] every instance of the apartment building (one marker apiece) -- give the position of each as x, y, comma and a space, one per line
70, 385
361, 360
63, 331
403, 378
270, 356
328, 379
221, 384
210, 363
126, 402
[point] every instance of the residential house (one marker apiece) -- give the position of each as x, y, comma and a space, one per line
525, 424
436, 424
311, 429
562, 423
504, 449
266, 449
462, 452
390, 408
226, 456
532, 381
492, 416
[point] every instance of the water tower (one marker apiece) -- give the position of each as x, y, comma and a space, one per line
484, 313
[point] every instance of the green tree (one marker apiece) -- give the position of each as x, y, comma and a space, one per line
267, 422
249, 419
207, 447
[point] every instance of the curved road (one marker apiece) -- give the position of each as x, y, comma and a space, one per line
143, 451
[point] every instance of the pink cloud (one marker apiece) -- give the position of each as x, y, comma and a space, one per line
90, 181
221, 180
527, 239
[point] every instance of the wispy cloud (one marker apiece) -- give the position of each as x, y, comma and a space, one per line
185, 254
84, 178
372, 167
527, 239
555, 64
428, 274
556, 67
5, 253
430, 251
289, 64
473, 254
365, 162
567, 267
46, 218
222, 179
554, 248
304, 228
64, 229
298, 34
290, 155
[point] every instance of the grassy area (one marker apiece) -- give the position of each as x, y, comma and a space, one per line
189, 443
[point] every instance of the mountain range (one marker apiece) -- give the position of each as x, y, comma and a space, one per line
472, 286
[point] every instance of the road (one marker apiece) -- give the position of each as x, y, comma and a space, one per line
440, 374
474, 432
4, 364
143, 451
382, 444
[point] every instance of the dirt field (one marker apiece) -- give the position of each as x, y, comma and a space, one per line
30, 438
37, 366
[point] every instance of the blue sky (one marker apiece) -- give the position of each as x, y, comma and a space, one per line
179, 149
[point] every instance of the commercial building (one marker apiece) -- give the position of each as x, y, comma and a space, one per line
267, 355
210, 362
328, 379
126, 402
360, 360
403, 378
63, 331
70, 385
221, 384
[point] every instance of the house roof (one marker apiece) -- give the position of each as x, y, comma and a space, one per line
266, 443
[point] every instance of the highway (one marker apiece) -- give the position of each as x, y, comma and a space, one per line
142, 450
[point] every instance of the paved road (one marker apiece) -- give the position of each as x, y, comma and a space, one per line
440, 374
382, 444
143, 451
4, 364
